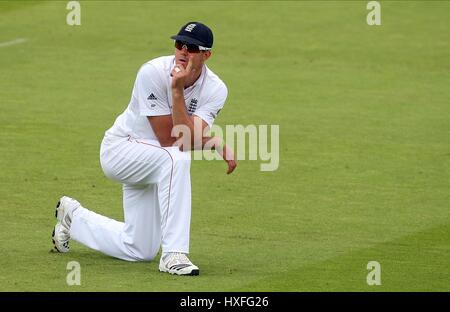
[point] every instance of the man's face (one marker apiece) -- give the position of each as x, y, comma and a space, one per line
197, 58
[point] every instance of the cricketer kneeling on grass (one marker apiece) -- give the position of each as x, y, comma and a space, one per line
154, 167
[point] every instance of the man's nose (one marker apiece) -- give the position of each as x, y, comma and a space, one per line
184, 50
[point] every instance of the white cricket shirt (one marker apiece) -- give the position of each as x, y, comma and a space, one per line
152, 96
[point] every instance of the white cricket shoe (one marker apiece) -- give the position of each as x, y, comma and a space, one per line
61, 233
177, 263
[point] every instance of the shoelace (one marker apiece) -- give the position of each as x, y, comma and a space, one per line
177, 258
72, 201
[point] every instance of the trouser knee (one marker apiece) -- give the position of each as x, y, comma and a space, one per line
146, 255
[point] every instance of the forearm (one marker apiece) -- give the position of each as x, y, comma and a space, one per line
179, 113
217, 144
207, 143
203, 143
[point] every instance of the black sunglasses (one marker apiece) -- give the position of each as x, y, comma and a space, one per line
191, 48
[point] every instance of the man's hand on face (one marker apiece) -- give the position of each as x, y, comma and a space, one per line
180, 74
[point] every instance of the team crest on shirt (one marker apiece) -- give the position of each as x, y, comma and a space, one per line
192, 106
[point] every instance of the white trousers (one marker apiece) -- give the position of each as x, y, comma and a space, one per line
156, 201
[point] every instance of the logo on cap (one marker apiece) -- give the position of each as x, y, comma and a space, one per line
190, 27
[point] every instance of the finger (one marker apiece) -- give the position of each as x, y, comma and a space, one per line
179, 65
189, 65
175, 71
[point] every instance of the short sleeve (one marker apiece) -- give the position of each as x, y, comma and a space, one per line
149, 91
209, 111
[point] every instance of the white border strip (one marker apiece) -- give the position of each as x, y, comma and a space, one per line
12, 42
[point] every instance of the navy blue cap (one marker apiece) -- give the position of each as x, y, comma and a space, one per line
195, 33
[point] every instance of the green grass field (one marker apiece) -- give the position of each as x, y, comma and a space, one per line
364, 115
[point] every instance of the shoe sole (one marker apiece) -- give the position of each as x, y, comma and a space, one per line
56, 209
194, 272
54, 243
53, 233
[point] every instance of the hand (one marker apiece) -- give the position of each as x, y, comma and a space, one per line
231, 166
180, 74
228, 156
